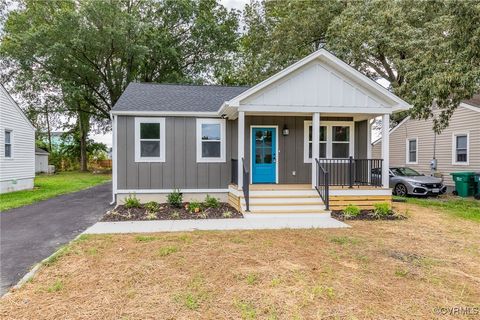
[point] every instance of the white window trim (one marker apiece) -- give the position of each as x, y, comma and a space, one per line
407, 151
454, 148
329, 125
222, 123
11, 143
139, 158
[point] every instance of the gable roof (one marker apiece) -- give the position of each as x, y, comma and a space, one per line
144, 97
14, 103
324, 55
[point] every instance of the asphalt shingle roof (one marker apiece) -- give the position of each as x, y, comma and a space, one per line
175, 97
40, 151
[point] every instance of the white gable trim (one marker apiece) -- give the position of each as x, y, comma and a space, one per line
9, 97
356, 75
469, 107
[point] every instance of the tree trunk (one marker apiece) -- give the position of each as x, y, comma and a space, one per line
83, 126
49, 132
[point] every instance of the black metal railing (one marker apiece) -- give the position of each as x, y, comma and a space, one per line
350, 172
246, 185
234, 175
323, 184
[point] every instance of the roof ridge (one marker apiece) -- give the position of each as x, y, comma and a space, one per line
191, 84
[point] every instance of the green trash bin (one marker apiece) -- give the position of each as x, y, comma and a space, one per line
477, 185
464, 183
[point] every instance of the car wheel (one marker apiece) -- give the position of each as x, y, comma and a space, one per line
400, 190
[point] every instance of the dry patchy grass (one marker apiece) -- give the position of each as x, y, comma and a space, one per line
375, 270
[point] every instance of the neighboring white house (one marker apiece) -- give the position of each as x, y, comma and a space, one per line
41, 160
17, 154
457, 148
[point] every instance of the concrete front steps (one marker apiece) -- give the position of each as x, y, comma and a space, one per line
291, 200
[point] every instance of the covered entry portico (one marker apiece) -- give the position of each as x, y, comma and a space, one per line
310, 124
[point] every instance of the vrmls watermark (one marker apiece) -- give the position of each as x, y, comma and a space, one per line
457, 311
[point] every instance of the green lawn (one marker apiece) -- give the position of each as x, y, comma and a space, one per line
466, 208
48, 186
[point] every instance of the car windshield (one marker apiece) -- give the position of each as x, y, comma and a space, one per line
406, 172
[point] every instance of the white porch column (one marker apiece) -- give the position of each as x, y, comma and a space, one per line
385, 150
241, 146
315, 146
369, 147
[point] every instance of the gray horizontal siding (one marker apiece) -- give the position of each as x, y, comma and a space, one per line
180, 169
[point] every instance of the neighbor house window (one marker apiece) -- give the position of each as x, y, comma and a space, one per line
210, 140
412, 150
149, 139
335, 140
8, 144
460, 151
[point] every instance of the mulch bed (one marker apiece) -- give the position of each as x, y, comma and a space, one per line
366, 215
167, 212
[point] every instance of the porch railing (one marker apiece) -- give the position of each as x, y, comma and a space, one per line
350, 172
323, 184
246, 185
234, 175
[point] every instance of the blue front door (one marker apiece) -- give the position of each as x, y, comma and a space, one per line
264, 155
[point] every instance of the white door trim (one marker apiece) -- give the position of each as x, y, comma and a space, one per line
276, 147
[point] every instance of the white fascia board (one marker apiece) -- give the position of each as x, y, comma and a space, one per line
214, 114
15, 104
310, 109
469, 107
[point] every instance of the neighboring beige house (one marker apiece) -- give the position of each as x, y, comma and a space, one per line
414, 144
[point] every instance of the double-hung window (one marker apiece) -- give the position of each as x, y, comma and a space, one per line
210, 140
460, 148
335, 140
8, 144
412, 151
322, 142
149, 139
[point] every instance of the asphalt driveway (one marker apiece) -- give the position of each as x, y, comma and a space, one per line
30, 234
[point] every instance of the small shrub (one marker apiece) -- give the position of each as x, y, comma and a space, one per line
152, 206
175, 198
194, 206
351, 211
211, 202
132, 202
175, 214
227, 214
381, 209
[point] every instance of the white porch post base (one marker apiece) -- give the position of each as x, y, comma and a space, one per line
385, 150
315, 146
241, 147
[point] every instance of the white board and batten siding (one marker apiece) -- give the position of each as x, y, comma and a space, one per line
18, 171
464, 121
317, 85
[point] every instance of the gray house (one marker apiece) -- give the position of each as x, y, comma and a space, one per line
296, 142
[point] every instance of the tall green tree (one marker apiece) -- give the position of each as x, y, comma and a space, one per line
426, 50
90, 50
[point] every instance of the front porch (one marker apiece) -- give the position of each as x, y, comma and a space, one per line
277, 159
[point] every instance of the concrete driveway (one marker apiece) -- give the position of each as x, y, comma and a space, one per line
30, 234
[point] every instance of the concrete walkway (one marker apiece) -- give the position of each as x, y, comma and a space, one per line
31, 233
257, 222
